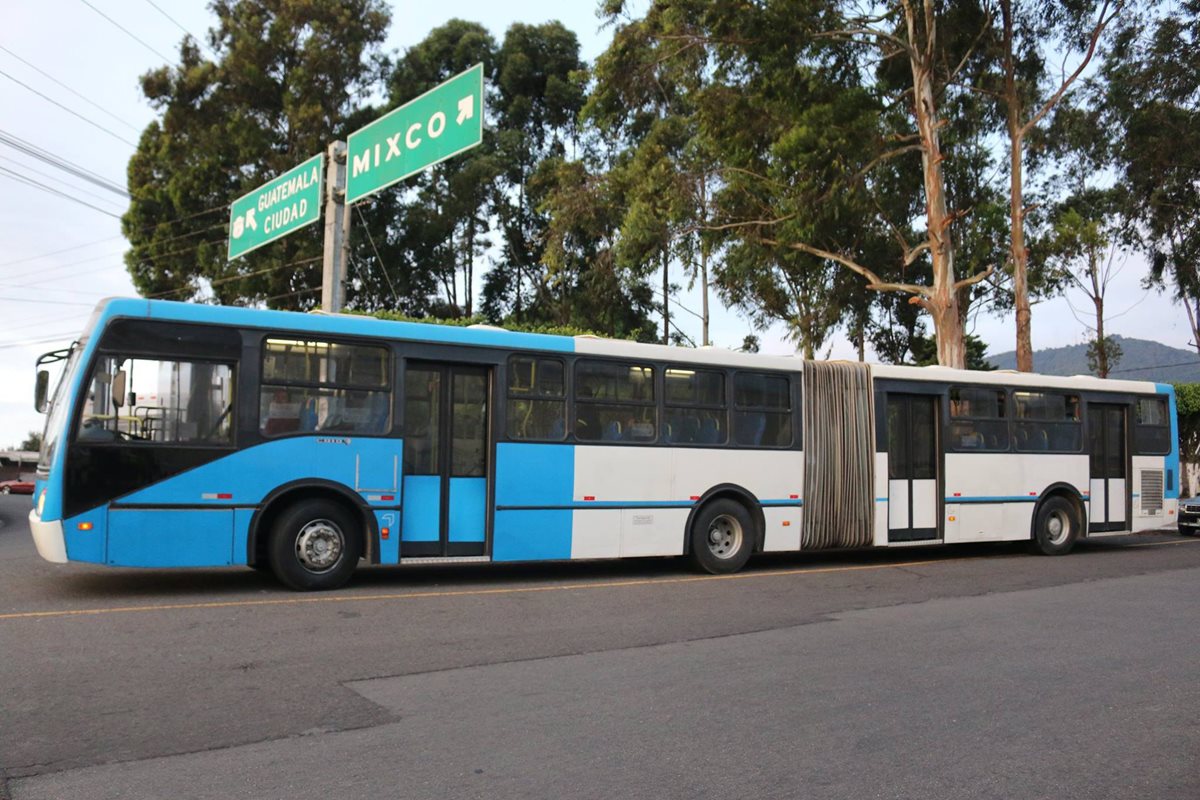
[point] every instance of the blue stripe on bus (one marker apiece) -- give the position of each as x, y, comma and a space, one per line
1012, 498
632, 504
1171, 462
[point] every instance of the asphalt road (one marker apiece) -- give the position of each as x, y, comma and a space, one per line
969, 672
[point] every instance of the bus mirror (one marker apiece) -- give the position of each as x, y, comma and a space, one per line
118, 389
40, 387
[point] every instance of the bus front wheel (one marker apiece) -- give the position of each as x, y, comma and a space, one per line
315, 545
722, 537
1056, 527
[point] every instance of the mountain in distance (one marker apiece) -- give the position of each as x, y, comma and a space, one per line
1141, 360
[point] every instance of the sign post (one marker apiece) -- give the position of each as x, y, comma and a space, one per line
441, 123
337, 232
275, 209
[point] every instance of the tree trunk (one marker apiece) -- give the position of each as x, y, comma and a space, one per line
704, 342
666, 300
1017, 254
942, 303
1101, 342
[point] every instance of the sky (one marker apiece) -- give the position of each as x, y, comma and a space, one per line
59, 258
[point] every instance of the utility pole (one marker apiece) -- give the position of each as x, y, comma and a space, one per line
337, 231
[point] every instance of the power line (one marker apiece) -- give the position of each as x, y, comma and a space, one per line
42, 321
58, 337
82, 97
54, 178
238, 277
41, 154
70, 111
188, 249
45, 302
382, 267
29, 181
1156, 366
128, 33
219, 225
64, 250
159, 9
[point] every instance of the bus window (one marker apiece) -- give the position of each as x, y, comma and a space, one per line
537, 399
1152, 427
978, 419
762, 414
695, 407
614, 402
164, 402
324, 386
1047, 422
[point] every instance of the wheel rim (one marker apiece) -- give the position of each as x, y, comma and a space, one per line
320, 545
725, 536
1058, 527
5, 490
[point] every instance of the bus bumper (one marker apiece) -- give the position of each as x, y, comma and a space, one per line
48, 537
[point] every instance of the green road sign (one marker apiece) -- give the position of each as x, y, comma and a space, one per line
277, 208
441, 123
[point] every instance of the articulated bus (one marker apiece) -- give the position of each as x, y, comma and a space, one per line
191, 435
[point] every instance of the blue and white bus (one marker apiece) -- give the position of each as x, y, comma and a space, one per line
192, 435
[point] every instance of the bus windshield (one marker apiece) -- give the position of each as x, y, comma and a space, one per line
56, 417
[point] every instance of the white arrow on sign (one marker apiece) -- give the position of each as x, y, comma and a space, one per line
466, 108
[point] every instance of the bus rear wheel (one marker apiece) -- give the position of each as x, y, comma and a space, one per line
315, 545
722, 537
1056, 527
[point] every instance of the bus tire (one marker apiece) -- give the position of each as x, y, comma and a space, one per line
722, 537
315, 545
1056, 527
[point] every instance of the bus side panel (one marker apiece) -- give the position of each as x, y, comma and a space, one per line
166, 538
881, 498
994, 494
250, 475
533, 487
1148, 512
86, 535
775, 477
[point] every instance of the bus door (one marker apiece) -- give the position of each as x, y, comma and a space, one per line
446, 463
913, 507
1108, 509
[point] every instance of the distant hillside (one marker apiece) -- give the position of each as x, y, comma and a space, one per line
1141, 360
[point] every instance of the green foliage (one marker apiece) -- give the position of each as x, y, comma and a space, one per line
281, 87
1151, 94
463, 322
32, 442
1187, 404
1103, 355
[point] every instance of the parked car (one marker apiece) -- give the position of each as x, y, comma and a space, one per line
1189, 516
16, 487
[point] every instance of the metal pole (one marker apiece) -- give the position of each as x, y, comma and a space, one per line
337, 230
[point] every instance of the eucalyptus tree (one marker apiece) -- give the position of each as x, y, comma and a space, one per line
452, 201
1027, 86
644, 100
1152, 94
539, 94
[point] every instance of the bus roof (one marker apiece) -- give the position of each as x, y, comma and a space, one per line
490, 336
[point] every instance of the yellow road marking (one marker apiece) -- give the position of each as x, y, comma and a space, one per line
565, 587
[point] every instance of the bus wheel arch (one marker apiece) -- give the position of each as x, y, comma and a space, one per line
735, 517
262, 524
1059, 521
